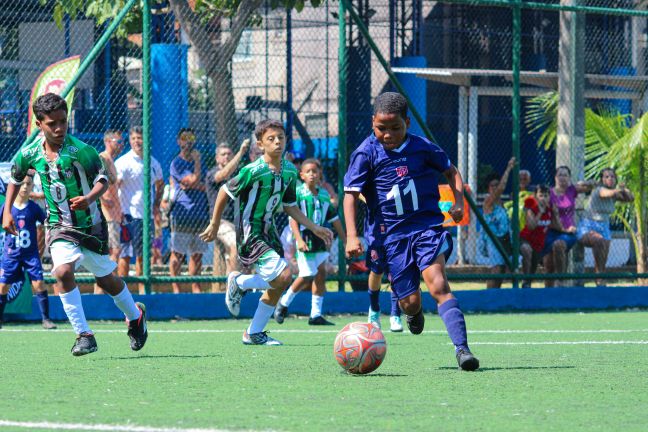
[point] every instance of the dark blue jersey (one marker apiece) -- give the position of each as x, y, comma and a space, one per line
401, 186
25, 244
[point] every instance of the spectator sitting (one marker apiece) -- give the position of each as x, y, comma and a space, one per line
563, 197
190, 210
226, 164
594, 228
498, 222
526, 191
540, 216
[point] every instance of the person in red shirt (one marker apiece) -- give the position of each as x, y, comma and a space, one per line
540, 217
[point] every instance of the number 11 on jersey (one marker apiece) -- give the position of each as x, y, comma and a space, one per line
395, 193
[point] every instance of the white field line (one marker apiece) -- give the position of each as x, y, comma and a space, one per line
97, 427
603, 342
306, 331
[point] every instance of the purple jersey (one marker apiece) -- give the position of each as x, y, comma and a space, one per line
25, 244
401, 186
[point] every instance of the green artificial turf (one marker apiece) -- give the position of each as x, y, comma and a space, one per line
540, 372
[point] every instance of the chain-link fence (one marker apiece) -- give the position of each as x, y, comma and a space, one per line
215, 74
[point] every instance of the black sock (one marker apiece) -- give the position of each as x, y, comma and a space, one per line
43, 304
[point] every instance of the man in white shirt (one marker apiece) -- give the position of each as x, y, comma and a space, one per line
130, 182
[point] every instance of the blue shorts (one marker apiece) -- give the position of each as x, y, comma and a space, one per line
553, 236
408, 257
588, 225
13, 270
376, 260
132, 241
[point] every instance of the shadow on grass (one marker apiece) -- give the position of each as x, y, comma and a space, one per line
488, 369
374, 375
169, 356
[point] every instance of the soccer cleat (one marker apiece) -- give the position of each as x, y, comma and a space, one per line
233, 294
260, 338
319, 321
374, 318
137, 329
48, 324
280, 313
395, 324
466, 360
415, 323
85, 344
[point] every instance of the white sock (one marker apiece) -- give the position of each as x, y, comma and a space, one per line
124, 301
74, 310
250, 282
316, 305
288, 297
261, 317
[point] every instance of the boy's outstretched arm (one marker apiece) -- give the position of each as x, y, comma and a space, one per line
8, 223
212, 229
353, 246
457, 186
321, 232
83, 202
299, 240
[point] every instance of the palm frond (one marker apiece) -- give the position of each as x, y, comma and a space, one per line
542, 115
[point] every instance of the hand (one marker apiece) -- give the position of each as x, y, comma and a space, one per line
456, 212
209, 234
325, 234
195, 155
571, 230
79, 203
9, 225
245, 146
302, 246
511, 163
353, 247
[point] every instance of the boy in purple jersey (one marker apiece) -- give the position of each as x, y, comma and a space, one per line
398, 175
21, 254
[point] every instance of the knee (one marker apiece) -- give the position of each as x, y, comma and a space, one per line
284, 279
526, 251
64, 274
559, 246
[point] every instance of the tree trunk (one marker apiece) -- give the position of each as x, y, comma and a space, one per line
224, 110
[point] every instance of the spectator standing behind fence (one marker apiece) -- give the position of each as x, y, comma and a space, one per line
190, 209
594, 228
130, 182
498, 221
110, 205
226, 164
540, 217
563, 198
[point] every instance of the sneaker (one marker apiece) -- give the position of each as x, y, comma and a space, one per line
48, 324
319, 320
374, 318
415, 323
137, 330
395, 324
233, 294
280, 313
466, 360
85, 344
260, 338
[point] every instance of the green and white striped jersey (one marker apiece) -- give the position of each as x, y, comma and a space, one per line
318, 209
74, 173
258, 194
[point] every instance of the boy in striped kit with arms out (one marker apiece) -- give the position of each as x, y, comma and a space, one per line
259, 191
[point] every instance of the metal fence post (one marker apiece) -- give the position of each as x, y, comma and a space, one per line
146, 135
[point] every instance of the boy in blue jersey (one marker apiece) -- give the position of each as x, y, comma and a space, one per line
21, 254
398, 175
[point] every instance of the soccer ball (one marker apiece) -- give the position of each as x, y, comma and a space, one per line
360, 348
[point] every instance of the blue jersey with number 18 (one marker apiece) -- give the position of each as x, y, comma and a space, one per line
401, 186
25, 244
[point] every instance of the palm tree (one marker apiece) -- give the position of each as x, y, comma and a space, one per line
610, 141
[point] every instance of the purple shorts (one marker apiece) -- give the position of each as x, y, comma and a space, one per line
13, 269
408, 257
376, 260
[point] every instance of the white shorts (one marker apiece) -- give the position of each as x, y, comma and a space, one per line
308, 263
187, 244
65, 252
270, 266
227, 234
